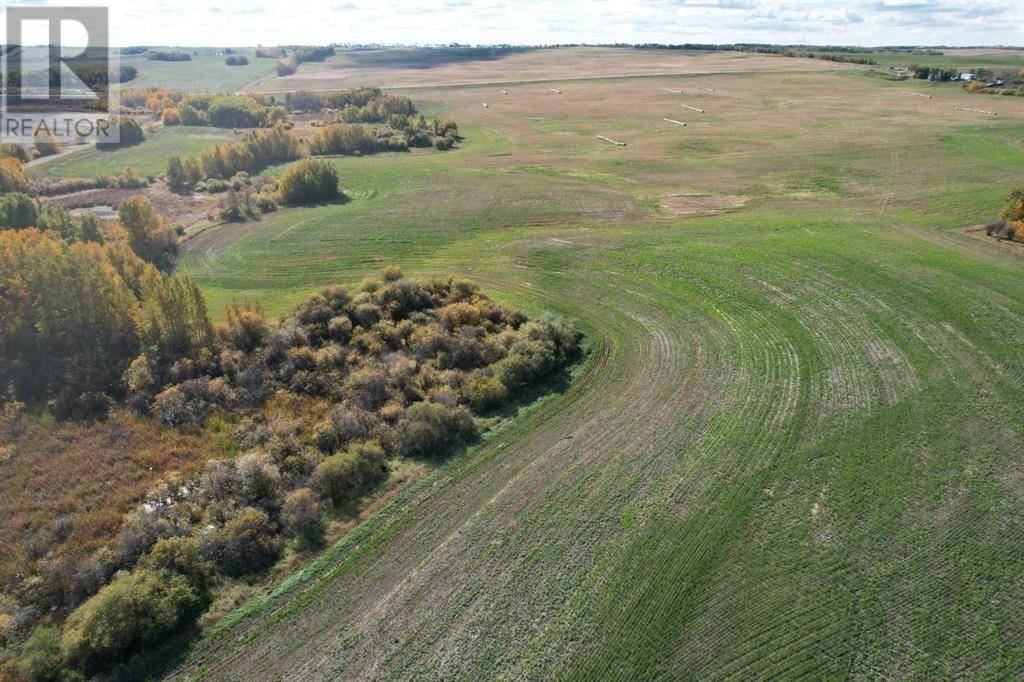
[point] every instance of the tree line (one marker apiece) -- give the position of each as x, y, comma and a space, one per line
169, 56
289, 63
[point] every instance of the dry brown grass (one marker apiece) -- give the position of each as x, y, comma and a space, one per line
745, 143
178, 209
538, 65
80, 477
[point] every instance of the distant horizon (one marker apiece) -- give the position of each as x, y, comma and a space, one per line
513, 46
531, 23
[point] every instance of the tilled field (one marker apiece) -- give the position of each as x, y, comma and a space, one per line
794, 449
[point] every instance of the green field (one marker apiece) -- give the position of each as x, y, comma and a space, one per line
795, 449
206, 72
149, 157
962, 61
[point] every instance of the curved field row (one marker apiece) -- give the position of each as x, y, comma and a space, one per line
794, 451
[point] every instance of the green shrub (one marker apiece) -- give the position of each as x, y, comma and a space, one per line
485, 392
433, 429
265, 204
217, 186
246, 544
300, 516
128, 133
308, 181
17, 211
15, 150
41, 657
191, 116
344, 138
45, 143
181, 556
347, 476
236, 112
134, 610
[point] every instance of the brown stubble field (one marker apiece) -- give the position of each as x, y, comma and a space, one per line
353, 69
759, 135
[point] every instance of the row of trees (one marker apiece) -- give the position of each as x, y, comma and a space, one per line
290, 63
169, 56
253, 153
73, 314
355, 105
933, 73
350, 139
18, 211
219, 111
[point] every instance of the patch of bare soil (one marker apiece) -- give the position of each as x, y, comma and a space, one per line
701, 204
1014, 245
187, 211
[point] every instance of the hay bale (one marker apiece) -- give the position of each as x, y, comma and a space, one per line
611, 141
672, 120
976, 111
697, 109
485, 104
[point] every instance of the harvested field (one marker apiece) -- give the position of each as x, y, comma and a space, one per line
352, 69
791, 452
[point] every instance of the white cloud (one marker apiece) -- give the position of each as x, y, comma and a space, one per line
866, 22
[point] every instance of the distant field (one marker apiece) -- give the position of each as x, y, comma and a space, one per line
967, 58
205, 72
416, 66
147, 158
796, 448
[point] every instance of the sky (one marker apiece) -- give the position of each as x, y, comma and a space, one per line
853, 22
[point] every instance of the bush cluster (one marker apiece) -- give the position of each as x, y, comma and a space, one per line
256, 151
18, 211
222, 111
127, 133
48, 187
308, 181
289, 64
169, 56
401, 368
